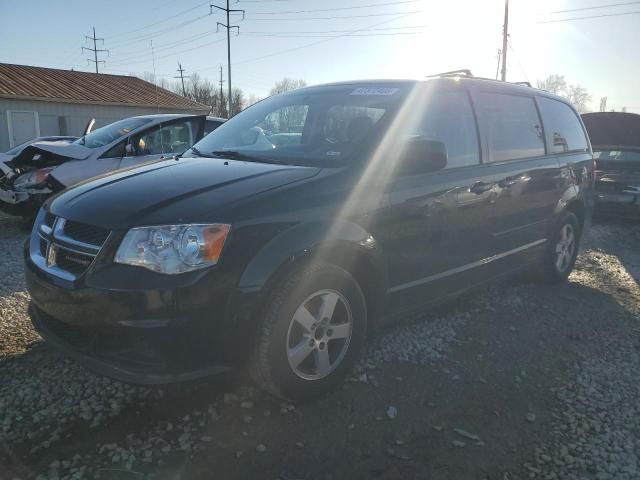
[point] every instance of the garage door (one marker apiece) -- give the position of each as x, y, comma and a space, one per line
23, 126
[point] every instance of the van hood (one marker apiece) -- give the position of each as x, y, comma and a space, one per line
184, 190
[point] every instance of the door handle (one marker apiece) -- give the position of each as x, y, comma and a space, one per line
480, 187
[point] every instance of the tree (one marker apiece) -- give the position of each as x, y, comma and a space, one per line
251, 99
203, 90
555, 84
158, 81
579, 97
576, 94
287, 84
238, 101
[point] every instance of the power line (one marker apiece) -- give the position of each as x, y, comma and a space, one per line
173, 53
168, 46
321, 41
594, 8
526, 77
95, 49
342, 17
354, 7
161, 32
285, 35
295, 32
586, 18
159, 21
229, 27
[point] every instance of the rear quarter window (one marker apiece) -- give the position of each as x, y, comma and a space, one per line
513, 128
563, 129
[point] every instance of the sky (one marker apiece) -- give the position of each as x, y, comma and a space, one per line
334, 40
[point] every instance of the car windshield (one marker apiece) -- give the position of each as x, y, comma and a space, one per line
107, 134
621, 155
310, 127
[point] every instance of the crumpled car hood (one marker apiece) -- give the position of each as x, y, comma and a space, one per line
59, 149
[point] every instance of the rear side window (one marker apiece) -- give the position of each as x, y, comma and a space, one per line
563, 129
513, 127
448, 118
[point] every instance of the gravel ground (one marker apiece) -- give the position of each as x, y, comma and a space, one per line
518, 381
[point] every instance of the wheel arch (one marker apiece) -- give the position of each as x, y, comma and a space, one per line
344, 244
572, 200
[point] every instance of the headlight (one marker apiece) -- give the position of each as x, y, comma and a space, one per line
173, 248
32, 179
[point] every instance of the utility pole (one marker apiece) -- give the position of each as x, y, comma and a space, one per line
95, 49
505, 37
229, 27
181, 77
221, 94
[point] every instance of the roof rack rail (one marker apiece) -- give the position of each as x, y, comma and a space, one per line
522, 83
463, 72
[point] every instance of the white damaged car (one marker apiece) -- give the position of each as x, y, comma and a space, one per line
44, 168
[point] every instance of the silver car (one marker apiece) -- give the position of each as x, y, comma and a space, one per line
43, 168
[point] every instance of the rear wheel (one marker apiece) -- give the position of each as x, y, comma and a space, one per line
315, 324
562, 250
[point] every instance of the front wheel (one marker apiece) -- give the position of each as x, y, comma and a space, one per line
562, 250
314, 327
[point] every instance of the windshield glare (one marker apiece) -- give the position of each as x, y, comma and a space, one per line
107, 134
307, 128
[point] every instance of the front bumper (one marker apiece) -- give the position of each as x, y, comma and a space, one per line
20, 204
152, 336
127, 356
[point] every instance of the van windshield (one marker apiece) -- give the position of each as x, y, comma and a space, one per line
107, 134
324, 126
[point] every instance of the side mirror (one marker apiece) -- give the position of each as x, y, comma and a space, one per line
421, 155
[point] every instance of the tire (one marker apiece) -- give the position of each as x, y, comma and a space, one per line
555, 269
300, 356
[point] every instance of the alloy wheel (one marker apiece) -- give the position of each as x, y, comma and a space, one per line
319, 334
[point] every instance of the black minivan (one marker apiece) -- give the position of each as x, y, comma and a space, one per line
279, 240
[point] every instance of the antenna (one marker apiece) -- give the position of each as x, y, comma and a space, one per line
155, 80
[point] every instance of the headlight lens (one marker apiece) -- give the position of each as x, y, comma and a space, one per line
173, 248
32, 179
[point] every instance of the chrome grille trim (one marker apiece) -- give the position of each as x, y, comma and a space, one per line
54, 236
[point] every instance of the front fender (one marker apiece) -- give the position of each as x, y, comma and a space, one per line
329, 240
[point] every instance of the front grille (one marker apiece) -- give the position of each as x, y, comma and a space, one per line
86, 233
72, 262
66, 246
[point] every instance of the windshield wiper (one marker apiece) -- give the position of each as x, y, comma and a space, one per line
236, 155
198, 153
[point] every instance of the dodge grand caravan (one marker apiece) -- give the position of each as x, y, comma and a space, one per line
281, 239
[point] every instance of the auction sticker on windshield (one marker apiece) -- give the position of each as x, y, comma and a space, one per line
374, 91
